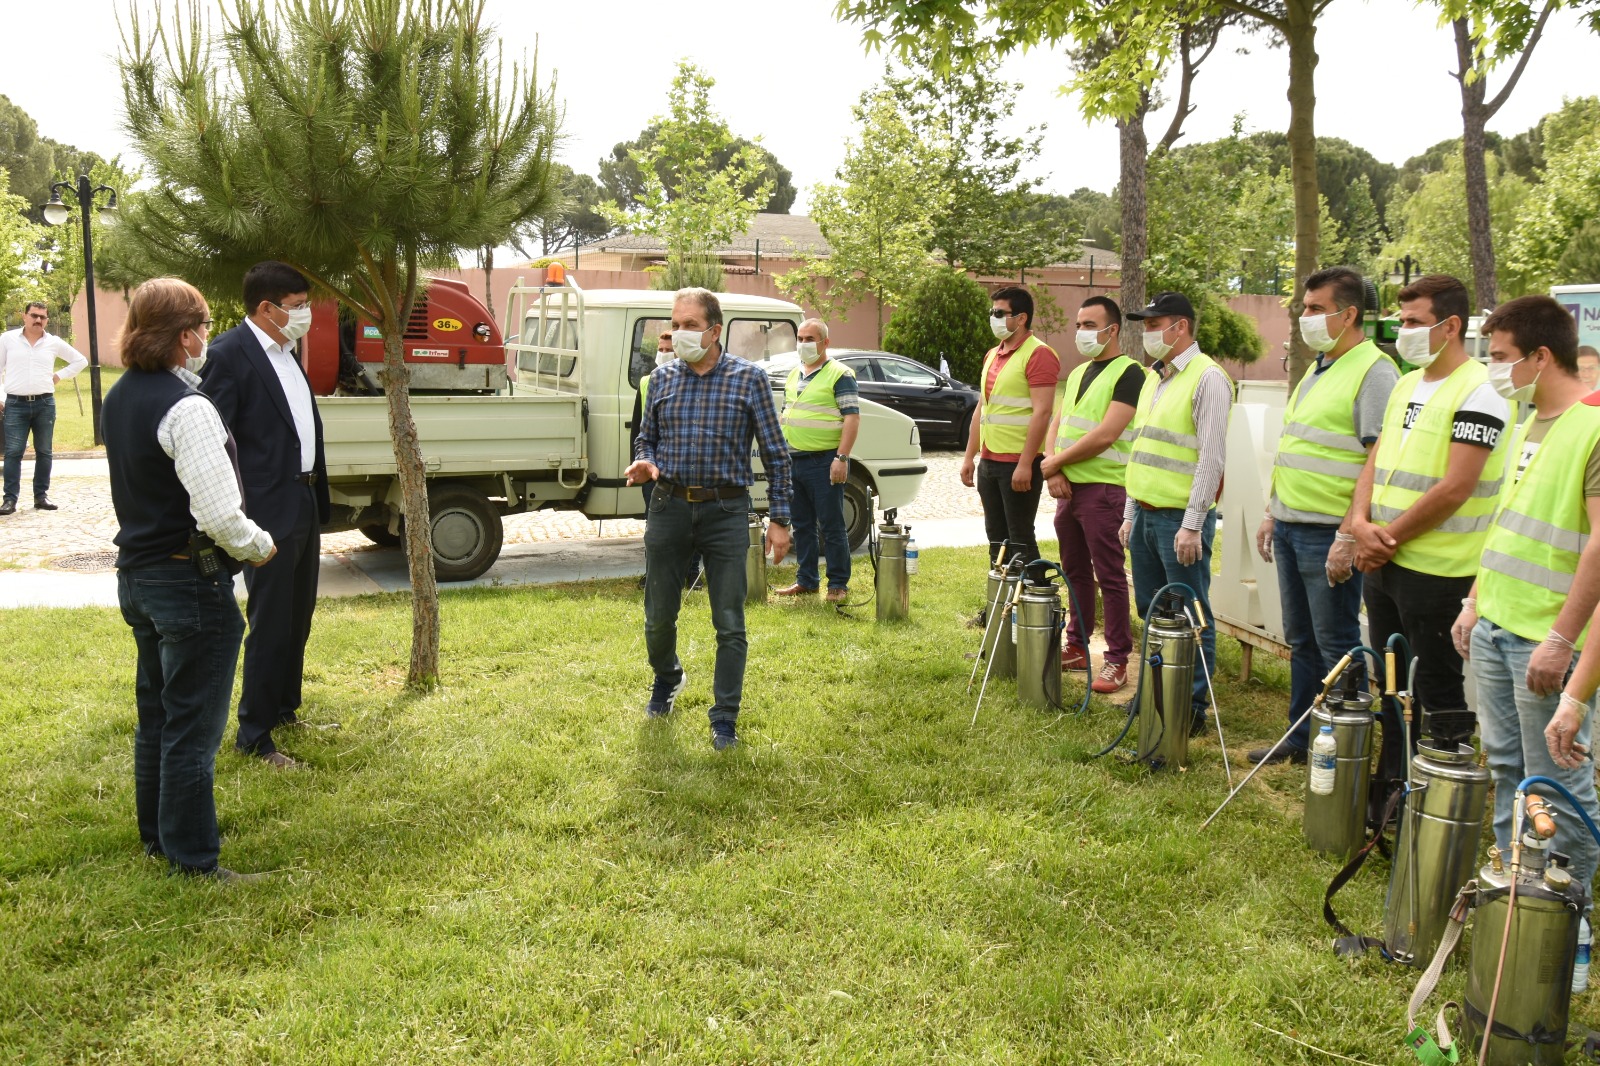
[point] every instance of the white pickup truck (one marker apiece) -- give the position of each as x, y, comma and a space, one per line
560, 433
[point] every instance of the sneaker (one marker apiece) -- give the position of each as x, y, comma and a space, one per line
1112, 677
1284, 753
41, 502
723, 741
1074, 657
663, 697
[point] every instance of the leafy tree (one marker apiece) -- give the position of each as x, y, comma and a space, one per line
878, 219
1093, 215
1580, 263
1433, 223
986, 225
1555, 211
687, 199
572, 219
622, 181
1223, 332
360, 142
1356, 185
19, 251
944, 316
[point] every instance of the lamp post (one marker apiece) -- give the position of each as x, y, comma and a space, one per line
56, 213
1405, 268
1088, 246
1244, 266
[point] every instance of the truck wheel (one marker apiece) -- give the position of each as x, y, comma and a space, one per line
857, 512
380, 535
466, 531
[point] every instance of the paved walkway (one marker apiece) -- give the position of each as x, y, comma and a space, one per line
64, 558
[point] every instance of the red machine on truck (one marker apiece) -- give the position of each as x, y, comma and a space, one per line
451, 342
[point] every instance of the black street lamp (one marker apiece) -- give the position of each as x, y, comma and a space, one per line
1244, 267
1405, 268
56, 213
1088, 246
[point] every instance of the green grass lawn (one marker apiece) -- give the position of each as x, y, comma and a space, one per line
75, 431
521, 869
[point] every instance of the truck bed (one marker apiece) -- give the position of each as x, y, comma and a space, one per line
525, 435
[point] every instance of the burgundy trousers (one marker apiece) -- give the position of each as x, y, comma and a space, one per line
1086, 526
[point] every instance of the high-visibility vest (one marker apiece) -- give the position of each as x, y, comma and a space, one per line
1319, 455
644, 393
1080, 415
1531, 552
1406, 468
1166, 446
1003, 425
811, 420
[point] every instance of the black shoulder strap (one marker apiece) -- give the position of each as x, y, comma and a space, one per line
1349, 943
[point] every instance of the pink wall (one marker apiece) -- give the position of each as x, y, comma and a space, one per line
111, 310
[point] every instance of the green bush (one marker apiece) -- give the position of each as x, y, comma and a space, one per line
1224, 333
946, 314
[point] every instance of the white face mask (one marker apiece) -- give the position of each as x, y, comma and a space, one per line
193, 363
1089, 342
1155, 344
1314, 331
807, 350
998, 325
299, 322
663, 358
1415, 346
1500, 381
686, 342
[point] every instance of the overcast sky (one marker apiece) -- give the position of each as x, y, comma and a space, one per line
789, 73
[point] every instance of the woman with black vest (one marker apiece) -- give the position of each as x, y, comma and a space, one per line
174, 483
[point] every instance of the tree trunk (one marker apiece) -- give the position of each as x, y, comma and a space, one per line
424, 669
1474, 117
1302, 39
1135, 149
488, 280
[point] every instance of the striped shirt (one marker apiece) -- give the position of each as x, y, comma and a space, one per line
698, 428
192, 433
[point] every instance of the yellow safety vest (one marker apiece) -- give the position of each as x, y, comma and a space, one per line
1319, 456
1406, 468
1166, 447
1003, 425
1079, 416
1531, 552
811, 420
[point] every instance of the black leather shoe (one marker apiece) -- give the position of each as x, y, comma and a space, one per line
1198, 724
9, 505
42, 502
1295, 756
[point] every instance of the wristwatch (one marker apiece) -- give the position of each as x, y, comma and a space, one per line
784, 522
843, 458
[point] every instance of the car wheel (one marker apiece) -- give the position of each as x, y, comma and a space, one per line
857, 511
467, 533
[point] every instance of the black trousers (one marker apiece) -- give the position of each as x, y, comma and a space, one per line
1007, 513
283, 596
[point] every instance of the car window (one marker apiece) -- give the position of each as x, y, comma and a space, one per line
863, 368
642, 354
901, 372
759, 339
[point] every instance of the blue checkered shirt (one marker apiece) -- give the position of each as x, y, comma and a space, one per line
697, 428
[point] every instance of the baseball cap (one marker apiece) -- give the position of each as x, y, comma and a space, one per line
1166, 303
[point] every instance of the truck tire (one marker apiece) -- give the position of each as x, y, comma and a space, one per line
467, 533
857, 511
380, 535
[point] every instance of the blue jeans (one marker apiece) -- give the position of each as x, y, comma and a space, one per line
1155, 562
719, 530
1511, 723
817, 508
38, 416
186, 629
1321, 623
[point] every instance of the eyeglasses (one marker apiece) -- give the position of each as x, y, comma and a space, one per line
997, 313
39, 318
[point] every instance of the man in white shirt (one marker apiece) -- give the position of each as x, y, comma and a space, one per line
253, 375
28, 374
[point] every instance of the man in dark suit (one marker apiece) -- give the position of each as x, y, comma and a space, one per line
255, 379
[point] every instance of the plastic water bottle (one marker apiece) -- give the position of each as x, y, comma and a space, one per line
1323, 762
911, 556
1580, 969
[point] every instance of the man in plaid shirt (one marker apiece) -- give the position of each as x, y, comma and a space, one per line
703, 411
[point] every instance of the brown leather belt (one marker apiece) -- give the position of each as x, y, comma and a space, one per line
702, 493
307, 479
